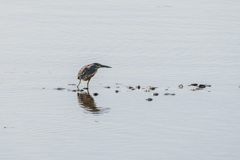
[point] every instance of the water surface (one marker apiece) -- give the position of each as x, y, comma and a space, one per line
147, 43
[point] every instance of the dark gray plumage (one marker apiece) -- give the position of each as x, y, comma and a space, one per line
88, 71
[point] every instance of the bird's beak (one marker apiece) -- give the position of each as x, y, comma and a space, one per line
102, 66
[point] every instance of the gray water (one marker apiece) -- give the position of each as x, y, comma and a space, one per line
147, 43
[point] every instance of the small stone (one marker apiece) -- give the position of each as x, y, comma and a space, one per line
193, 84
155, 94
138, 87
59, 88
180, 86
149, 99
173, 94
151, 88
95, 94
133, 89
116, 91
146, 90
74, 90
107, 87
201, 86
129, 87
166, 94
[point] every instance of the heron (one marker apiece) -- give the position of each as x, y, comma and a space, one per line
88, 71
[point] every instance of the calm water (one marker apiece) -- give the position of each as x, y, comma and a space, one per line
148, 43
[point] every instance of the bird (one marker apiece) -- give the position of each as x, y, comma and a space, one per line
88, 71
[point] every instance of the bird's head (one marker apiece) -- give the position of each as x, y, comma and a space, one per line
98, 65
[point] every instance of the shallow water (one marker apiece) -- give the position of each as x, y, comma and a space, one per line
147, 43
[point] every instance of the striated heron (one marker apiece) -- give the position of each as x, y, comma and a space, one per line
88, 71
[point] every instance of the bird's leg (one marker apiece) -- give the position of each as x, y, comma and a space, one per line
88, 82
79, 83
88, 92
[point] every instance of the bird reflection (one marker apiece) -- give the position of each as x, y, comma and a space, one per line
87, 102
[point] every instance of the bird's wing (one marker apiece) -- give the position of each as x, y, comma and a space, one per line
87, 72
81, 72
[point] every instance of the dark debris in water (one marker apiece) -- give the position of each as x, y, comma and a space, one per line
166, 94
107, 87
151, 88
60, 89
199, 86
95, 94
202, 86
149, 99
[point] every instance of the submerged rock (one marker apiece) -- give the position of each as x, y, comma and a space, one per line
202, 86
60, 89
149, 99
151, 88
107, 87
130, 87
95, 94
